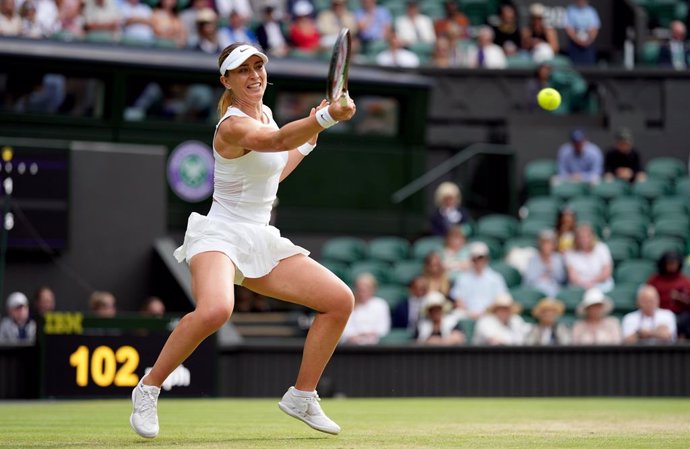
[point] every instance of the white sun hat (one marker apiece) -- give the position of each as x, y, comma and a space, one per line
237, 57
594, 296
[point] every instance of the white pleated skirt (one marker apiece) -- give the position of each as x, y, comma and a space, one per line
254, 249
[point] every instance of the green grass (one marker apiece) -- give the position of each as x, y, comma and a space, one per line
366, 423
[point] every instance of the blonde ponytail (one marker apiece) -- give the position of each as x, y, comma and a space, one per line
224, 103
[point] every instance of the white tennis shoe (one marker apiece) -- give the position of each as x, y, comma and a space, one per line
308, 410
144, 418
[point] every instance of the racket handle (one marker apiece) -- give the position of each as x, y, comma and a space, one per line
344, 98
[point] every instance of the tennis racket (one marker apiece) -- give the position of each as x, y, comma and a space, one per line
339, 68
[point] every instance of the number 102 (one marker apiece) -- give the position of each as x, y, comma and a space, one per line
103, 366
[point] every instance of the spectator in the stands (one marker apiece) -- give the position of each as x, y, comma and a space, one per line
167, 25
243, 8
455, 24
538, 33
676, 52
475, 289
414, 27
46, 16
103, 304
501, 325
188, 18
247, 301
17, 326
208, 37
396, 55
30, 26
674, 290
580, 160
370, 319
546, 269
589, 264
582, 26
330, 21
507, 28
439, 324
449, 210
136, 21
548, 331
456, 252
10, 21
304, 35
236, 31
622, 160
270, 35
44, 301
102, 18
70, 19
595, 327
406, 313
435, 273
541, 80
485, 53
649, 324
445, 53
374, 22
566, 222
153, 306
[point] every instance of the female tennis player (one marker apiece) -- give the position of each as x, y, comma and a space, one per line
234, 242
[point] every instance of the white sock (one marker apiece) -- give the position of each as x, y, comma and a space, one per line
303, 394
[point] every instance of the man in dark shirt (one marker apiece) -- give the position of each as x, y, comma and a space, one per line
622, 160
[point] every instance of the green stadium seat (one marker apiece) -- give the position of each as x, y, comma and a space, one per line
627, 205
500, 227
624, 297
422, 247
629, 227
495, 247
678, 227
344, 249
571, 297
569, 190
512, 276
609, 190
467, 327
392, 293
544, 207
651, 189
532, 228
568, 319
376, 268
396, 337
164, 43
339, 269
423, 51
623, 248
100, 37
389, 249
671, 206
650, 53
586, 205
537, 176
683, 187
431, 8
665, 168
635, 271
404, 271
653, 249
527, 297
519, 242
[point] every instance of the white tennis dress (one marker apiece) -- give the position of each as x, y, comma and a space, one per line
237, 224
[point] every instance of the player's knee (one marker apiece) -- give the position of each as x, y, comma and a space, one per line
216, 315
344, 302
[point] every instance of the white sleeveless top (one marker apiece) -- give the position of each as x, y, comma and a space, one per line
245, 187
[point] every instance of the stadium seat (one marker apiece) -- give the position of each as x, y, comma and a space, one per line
569, 190
532, 228
653, 249
632, 227
651, 189
422, 247
627, 205
423, 51
678, 227
344, 249
671, 206
527, 297
624, 297
542, 207
635, 271
538, 174
495, 247
587, 206
467, 327
500, 227
396, 337
571, 297
683, 187
650, 53
404, 271
376, 268
519, 242
609, 190
392, 293
389, 249
665, 168
512, 276
623, 248
339, 269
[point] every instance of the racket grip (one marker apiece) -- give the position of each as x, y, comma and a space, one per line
343, 99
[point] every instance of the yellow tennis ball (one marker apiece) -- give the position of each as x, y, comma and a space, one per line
7, 154
549, 99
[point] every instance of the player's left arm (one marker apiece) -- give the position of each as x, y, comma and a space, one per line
294, 156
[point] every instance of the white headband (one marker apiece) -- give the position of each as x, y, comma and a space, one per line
238, 56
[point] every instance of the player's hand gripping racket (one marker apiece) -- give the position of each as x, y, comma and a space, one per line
339, 69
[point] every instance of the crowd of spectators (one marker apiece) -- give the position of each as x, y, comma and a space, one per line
405, 38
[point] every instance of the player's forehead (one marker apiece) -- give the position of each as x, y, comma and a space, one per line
251, 61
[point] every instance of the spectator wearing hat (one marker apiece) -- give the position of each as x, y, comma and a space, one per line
566, 222
548, 331
622, 160
579, 160
674, 290
236, 31
590, 263
330, 21
449, 210
270, 35
649, 324
476, 288
676, 52
371, 318
373, 22
538, 33
546, 269
439, 325
304, 35
502, 324
103, 304
595, 327
414, 27
435, 273
136, 21
17, 327
44, 301
406, 313
456, 252
207, 32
